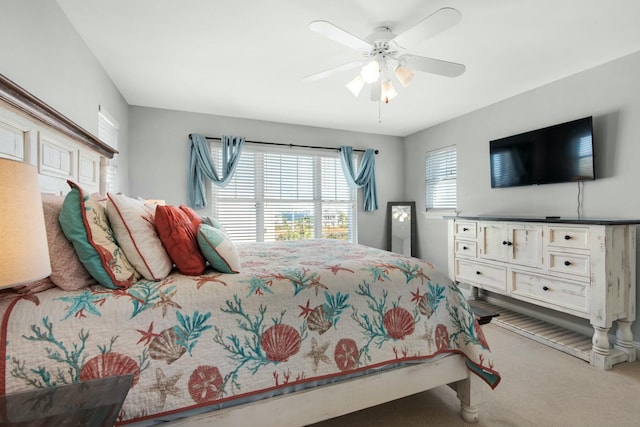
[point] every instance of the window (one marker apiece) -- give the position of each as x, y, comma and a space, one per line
277, 195
440, 179
108, 133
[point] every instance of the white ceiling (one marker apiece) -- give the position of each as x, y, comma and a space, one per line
246, 58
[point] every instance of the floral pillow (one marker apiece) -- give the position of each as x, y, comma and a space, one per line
133, 225
84, 222
67, 272
218, 249
176, 233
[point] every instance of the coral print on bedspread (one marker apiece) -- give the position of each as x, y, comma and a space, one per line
296, 312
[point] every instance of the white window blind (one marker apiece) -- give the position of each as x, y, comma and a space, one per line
440, 179
277, 194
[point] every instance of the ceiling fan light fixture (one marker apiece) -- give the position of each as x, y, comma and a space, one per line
404, 75
387, 91
356, 85
370, 72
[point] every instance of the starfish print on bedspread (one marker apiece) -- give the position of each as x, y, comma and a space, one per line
336, 268
315, 283
147, 335
302, 279
166, 386
415, 296
306, 309
317, 353
165, 302
203, 280
79, 304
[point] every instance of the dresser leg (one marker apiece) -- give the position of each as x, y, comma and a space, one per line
600, 340
600, 348
624, 339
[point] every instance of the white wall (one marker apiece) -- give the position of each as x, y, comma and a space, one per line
41, 52
610, 93
159, 156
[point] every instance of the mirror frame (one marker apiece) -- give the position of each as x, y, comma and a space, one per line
414, 241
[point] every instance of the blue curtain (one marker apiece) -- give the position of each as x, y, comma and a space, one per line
366, 177
201, 165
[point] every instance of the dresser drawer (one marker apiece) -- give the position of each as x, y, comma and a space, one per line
465, 248
569, 237
562, 293
465, 229
577, 264
482, 275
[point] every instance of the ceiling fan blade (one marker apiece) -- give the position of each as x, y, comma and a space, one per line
334, 70
437, 22
375, 91
433, 66
330, 31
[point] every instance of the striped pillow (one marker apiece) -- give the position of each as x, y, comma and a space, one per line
133, 224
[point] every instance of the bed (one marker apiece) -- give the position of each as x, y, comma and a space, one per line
292, 333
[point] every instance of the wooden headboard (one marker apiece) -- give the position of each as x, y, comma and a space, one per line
33, 132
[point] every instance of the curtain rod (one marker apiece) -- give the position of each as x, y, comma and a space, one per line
284, 145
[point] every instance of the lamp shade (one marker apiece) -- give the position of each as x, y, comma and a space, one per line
370, 72
24, 253
356, 85
404, 75
388, 91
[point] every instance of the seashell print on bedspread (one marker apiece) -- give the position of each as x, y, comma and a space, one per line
297, 312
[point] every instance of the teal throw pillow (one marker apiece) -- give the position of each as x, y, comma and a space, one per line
218, 249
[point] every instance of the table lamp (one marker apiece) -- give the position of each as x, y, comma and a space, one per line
24, 253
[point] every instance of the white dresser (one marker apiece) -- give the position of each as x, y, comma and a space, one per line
585, 268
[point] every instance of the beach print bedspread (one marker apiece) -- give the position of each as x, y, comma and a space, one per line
297, 312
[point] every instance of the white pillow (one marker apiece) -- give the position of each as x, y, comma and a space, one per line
133, 225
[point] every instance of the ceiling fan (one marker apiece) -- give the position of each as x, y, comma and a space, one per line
382, 57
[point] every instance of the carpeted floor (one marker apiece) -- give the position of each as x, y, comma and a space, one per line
541, 387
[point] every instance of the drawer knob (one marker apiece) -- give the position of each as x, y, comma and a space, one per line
509, 243
464, 248
567, 263
567, 237
465, 229
504, 242
545, 288
478, 273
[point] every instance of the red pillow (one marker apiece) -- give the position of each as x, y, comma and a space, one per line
193, 216
175, 230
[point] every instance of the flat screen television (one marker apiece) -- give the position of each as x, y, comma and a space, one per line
559, 153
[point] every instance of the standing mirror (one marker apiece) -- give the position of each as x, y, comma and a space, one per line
401, 228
